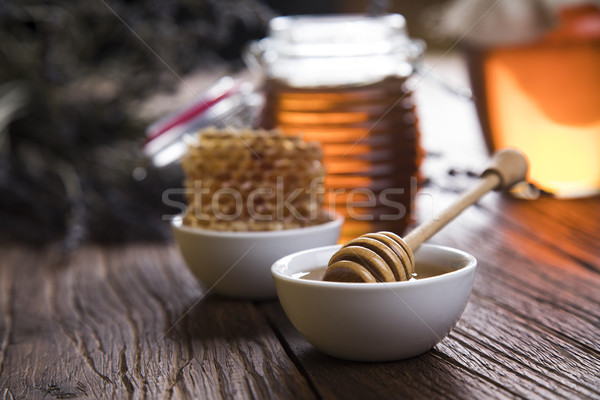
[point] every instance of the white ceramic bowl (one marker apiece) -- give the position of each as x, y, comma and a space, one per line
237, 264
375, 321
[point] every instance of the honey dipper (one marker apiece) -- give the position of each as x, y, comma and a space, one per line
386, 257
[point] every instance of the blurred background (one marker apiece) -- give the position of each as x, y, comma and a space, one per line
80, 81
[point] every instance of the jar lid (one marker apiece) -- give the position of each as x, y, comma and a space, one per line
337, 49
338, 35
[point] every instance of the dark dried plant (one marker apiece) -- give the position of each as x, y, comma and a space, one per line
72, 73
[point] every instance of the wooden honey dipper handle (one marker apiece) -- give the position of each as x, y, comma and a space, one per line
386, 257
508, 167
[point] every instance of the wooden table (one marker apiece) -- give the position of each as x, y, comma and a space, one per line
131, 322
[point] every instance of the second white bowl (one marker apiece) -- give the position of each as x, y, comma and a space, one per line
237, 264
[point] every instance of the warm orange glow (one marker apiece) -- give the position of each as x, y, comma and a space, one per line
545, 100
342, 182
354, 198
292, 102
300, 97
353, 229
367, 144
343, 150
334, 135
321, 118
340, 165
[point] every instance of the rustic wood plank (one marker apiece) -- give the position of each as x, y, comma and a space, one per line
571, 226
504, 350
518, 260
529, 277
544, 282
528, 351
127, 323
124, 323
561, 224
531, 329
543, 345
432, 375
536, 274
542, 227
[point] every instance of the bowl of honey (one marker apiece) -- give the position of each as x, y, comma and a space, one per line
375, 321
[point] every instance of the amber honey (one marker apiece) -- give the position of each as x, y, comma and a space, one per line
370, 143
544, 98
423, 271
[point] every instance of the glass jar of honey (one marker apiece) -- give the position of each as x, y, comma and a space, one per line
342, 80
538, 89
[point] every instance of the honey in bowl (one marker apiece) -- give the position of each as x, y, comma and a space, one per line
424, 270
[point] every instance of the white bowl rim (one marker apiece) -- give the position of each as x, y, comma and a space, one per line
472, 264
337, 220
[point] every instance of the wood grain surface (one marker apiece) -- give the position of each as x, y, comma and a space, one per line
530, 330
130, 322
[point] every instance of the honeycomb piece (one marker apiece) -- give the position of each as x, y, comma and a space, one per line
253, 180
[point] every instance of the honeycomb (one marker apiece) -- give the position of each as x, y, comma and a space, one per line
253, 180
